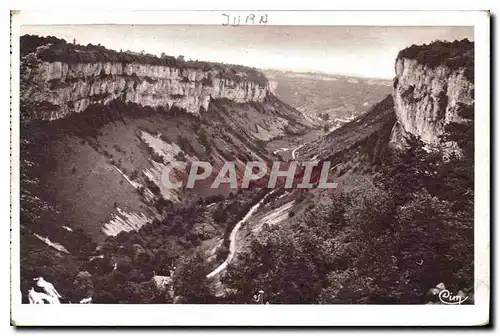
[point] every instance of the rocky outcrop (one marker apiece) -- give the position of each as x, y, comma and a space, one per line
62, 88
429, 98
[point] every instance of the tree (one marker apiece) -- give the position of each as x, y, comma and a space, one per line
104, 297
436, 242
190, 280
346, 286
281, 261
370, 209
83, 286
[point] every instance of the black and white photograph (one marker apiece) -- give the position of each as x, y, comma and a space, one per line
236, 159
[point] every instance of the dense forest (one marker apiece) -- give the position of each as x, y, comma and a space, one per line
389, 240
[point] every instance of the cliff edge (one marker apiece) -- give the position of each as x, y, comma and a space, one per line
434, 93
67, 78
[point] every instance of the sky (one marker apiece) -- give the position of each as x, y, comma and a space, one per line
350, 50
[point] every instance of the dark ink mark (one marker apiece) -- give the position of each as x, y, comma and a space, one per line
250, 17
234, 21
227, 20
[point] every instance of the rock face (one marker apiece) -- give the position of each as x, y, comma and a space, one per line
428, 98
64, 89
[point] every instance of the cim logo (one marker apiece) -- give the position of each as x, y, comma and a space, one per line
446, 297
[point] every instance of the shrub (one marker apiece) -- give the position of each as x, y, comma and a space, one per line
456, 54
207, 81
140, 190
153, 187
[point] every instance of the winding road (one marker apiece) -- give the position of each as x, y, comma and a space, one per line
294, 156
232, 237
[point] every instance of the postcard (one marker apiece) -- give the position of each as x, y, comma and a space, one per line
250, 168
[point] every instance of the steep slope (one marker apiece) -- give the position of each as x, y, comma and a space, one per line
102, 126
401, 220
104, 170
368, 134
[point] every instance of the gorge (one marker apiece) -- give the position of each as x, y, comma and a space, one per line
99, 127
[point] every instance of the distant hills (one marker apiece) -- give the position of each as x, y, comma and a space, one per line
327, 98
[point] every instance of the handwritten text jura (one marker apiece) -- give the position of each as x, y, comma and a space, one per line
250, 19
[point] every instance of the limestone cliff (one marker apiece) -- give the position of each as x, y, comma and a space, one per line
66, 79
71, 88
433, 90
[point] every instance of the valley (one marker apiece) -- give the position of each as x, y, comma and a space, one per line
326, 99
99, 129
